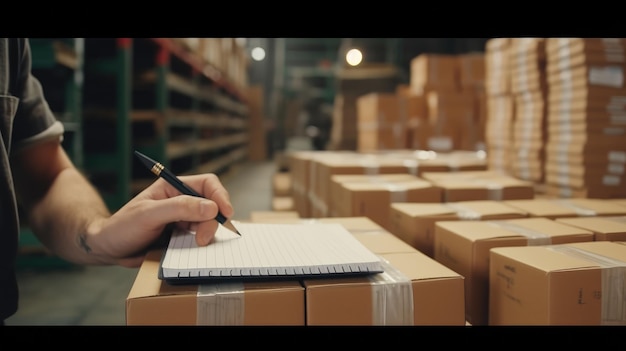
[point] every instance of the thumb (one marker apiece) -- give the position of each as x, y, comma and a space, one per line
184, 208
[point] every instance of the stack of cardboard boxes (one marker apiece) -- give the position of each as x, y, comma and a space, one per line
586, 149
500, 107
529, 92
414, 290
464, 238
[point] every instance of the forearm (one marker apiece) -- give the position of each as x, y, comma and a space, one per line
67, 215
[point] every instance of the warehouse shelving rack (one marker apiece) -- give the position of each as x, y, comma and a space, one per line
169, 104
199, 118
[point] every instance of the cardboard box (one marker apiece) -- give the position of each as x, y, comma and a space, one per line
586, 98
352, 224
472, 70
299, 163
336, 193
323, 167
497, 66
565, 156
371, 235
568, 52
282, 184
620, 201
566, 284
379, 123
154, 302
595, 123
609, 228
434, 71
412, 110
420, 161
602, 75
591, 179
414, 223
480, 185
373, 198
463, 246
414, 290
283, 203
560, 208
595, 192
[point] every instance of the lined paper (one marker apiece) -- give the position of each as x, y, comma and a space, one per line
269, 249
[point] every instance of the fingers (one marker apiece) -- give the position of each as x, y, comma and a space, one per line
197, 214
210, 186
204, 231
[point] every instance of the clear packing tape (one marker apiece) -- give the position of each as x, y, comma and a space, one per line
534, 237
613, 283
463, 212
220, 304
392, 297
581, 211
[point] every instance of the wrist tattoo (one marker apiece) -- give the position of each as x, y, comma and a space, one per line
82, 242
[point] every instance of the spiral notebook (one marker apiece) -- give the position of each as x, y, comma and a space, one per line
267, 251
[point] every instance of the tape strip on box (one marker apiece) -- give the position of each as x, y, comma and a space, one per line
581, 211
464, 212
220, 304
613, 283
535, 238
392, 297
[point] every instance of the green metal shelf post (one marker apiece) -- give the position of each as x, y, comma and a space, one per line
124, 105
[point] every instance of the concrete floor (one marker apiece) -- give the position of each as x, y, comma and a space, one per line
71, 295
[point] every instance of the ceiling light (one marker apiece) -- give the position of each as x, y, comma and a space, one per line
258, 53
354, 57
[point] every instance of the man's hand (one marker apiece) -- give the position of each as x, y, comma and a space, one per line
69, 216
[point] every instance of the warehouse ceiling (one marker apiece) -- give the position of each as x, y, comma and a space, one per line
308, 67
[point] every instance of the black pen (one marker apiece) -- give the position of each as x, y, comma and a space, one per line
159, 170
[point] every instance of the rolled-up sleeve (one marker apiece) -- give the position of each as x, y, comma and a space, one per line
34, 120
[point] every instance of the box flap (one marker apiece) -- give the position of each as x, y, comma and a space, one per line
147, 283
417, 266
543, 258
606, 225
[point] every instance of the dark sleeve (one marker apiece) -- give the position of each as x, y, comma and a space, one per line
34, 121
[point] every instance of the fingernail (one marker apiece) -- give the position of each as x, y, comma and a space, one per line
193, 227
204, 207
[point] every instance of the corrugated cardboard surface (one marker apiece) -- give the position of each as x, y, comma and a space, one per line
437, 295
155, 302
541, 285
560, 208
436, 292
414, 223
611, 228
464, 246
373, 199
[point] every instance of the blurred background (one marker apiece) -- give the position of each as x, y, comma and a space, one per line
304, 76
